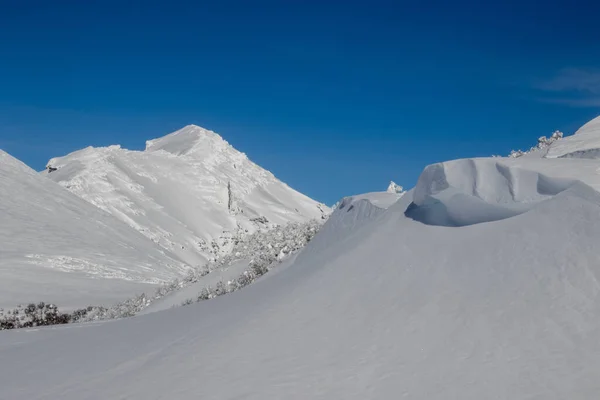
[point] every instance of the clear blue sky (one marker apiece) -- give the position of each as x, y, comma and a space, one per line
334, 97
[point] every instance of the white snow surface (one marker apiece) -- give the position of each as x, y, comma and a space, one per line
483, 282
379, 305
55, 247
190, 191
377, 199
466, 192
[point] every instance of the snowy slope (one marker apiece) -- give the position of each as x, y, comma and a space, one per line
585, 143
224, 274
482, 282
55, 247
394, 308
190, 191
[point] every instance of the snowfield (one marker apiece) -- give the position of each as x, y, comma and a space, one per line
482, 282
393, 308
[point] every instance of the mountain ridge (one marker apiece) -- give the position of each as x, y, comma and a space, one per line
189, 191
57, 247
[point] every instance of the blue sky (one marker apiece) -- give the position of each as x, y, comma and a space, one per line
334, 97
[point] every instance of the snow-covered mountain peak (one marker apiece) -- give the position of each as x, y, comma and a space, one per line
191, 139
190, 191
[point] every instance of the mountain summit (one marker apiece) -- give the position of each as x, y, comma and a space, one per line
189, 140
190, 191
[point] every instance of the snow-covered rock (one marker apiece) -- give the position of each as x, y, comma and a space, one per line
394, 188
55, 247
190, 192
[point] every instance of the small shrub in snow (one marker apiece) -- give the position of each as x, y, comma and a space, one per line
31, 315
543, 143
268, 256
265, 249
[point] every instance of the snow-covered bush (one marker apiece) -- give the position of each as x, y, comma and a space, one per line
263, 248
31, 315
543, 142
266, 255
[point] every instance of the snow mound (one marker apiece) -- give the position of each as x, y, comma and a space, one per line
353, 209
55, 247
377, 199
190, 192
472, 191
585, 143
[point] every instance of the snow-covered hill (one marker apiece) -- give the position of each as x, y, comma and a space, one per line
55, 247
585, 143
190, 191
481, 282
378, 305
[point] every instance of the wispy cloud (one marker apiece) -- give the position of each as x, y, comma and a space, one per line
574, 87
574, 80
573, 102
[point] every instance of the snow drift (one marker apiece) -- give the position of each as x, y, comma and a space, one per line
466, 192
